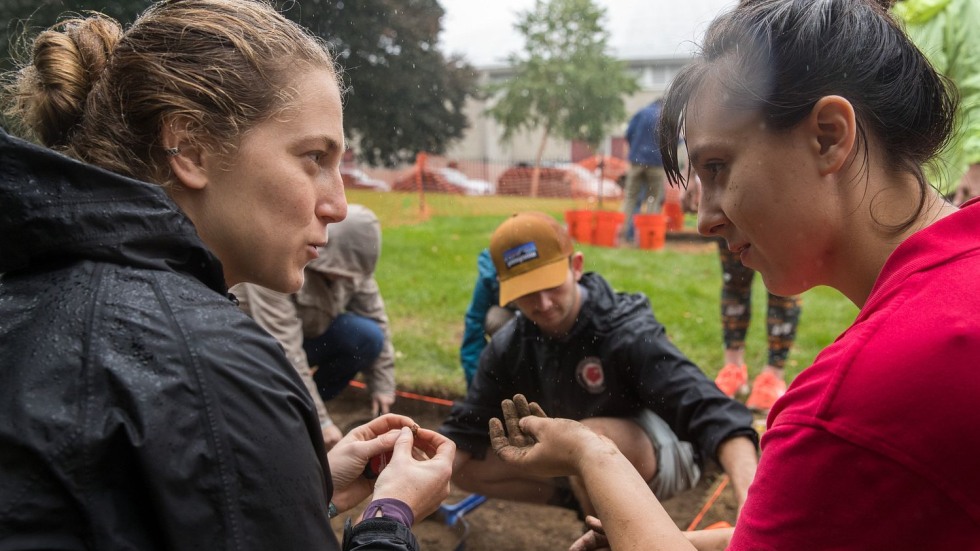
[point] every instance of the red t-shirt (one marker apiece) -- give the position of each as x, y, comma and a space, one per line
875, 446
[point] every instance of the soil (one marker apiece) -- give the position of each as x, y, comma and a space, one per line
499, 525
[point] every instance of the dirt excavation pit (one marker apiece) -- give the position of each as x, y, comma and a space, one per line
499, 525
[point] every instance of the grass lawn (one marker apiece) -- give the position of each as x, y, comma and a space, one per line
428, 267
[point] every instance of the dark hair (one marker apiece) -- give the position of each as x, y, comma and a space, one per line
780, 57
102, 95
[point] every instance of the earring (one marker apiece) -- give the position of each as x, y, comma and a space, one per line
172, 151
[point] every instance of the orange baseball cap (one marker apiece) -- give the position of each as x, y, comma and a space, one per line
530, 251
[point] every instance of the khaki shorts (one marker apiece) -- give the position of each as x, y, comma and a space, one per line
677, 469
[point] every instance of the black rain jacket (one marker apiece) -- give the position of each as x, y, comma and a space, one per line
616, 361
139, 407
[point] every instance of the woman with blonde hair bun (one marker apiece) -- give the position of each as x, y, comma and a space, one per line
139, 407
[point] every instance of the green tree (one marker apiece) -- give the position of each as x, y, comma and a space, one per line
564, 82
404, 95
25, 18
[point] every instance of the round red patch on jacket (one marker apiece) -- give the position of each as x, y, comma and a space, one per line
591, 375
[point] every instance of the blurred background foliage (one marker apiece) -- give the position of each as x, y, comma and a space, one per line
404, 94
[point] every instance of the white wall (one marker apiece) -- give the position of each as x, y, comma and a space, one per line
483, 140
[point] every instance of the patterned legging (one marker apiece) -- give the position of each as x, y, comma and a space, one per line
736, 310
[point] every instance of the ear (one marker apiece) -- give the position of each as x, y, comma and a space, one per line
834, 125
187, 164
578, 261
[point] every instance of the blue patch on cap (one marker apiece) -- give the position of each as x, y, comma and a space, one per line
520, 254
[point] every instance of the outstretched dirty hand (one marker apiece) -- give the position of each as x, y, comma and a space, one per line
542, 445
547, 447
515, 410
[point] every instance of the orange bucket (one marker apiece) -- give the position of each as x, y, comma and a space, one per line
675, 216
579, 224
607, 225
651, 229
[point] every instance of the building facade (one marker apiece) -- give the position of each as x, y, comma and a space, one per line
483, 142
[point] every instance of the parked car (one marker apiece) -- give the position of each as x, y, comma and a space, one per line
470, 186
442, 180
586, 182
561, 180
355, 178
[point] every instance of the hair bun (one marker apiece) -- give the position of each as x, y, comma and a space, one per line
67, 60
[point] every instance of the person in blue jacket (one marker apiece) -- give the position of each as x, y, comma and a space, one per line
483, 317
646, 177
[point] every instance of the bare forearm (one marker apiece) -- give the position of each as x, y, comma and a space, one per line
632, 517
710, 540
739, 459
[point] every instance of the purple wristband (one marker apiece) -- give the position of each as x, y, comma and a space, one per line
392, 508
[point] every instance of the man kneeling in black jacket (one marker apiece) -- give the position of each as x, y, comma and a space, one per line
585, 352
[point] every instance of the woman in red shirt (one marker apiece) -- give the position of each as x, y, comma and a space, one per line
809, 124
